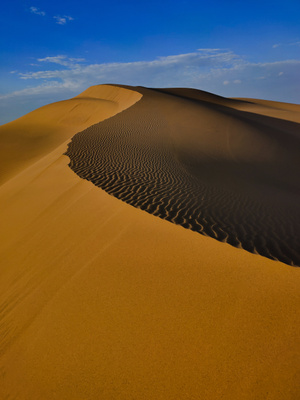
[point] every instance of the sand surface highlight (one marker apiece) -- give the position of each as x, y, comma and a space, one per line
102, 300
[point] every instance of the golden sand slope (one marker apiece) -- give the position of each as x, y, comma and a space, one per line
102, 300
32, 136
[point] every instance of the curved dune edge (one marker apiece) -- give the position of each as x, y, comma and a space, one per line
100, 300
29, 138
203, 162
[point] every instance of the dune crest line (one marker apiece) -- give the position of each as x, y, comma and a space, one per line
199, 161
31, 137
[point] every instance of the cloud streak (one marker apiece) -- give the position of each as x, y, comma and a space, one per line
63, 20
60, 20
163, 70
62, 60
37, 11
286, 44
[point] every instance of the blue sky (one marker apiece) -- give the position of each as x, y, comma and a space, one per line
54, 50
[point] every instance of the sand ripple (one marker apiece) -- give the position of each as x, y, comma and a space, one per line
233, 198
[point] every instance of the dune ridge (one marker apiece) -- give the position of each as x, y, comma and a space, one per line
196, 160
32, 136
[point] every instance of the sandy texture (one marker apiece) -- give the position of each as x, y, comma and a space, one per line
102, 300
192, 158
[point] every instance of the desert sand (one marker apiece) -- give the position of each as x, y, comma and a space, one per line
131, 268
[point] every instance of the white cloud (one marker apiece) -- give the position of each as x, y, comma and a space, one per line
237, 81
297, 43
62, 60
37, 11
49, 88
226, 83
60, 20
63, 20
160, 71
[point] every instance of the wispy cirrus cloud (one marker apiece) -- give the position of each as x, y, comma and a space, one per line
37, 11
63, 20
60, 20
62, 60
169, 69
286, 44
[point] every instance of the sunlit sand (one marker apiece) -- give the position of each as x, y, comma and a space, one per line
131, 267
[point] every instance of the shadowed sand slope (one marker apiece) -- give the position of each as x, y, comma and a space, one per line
100, 300
32, 136
194, 159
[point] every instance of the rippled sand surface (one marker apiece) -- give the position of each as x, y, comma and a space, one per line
100, 299
200, 163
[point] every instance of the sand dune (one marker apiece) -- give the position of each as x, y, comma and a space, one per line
99, 299
189, 157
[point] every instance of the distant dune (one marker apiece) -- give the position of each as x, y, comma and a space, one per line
99, 299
